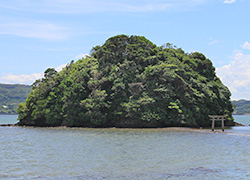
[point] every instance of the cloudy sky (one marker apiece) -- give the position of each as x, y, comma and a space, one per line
38, 34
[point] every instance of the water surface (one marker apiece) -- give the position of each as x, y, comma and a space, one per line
79, 153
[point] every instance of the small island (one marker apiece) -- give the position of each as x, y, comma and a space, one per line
132, 83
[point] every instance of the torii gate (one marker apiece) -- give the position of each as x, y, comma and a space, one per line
221, 118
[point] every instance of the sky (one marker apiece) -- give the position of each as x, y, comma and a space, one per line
40, 34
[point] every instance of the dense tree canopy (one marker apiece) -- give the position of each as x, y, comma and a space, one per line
129, 82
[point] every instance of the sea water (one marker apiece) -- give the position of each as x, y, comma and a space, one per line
82, 153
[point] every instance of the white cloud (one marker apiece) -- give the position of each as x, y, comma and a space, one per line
25, 78
86, 6
246, 45
20, 79
34, 29
30, 78
229, 1
236, 75
80, 56
214, 42
59, 68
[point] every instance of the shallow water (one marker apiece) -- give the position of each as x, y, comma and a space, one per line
8, 119
242, 119
80, 153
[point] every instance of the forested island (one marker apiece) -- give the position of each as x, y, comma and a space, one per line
129, 82
11, 95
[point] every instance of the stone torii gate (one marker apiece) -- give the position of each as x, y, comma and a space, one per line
221, 118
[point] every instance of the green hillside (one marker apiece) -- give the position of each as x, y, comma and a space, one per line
241, 107
11, 95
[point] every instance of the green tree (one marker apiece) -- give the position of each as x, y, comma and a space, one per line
129, 82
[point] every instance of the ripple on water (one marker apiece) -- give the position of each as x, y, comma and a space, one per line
80, 153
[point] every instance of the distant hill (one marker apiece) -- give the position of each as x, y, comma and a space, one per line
242, 107
11, 95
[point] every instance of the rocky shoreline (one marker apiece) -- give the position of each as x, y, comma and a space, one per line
11, 125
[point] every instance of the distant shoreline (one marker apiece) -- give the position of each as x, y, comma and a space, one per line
175, 128
163, 128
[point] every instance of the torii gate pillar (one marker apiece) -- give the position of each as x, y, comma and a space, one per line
218, 118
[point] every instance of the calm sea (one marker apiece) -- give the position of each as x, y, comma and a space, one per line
143, 154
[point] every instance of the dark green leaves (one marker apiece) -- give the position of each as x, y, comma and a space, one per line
129, 82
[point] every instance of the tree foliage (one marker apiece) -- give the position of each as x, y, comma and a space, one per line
129, 82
